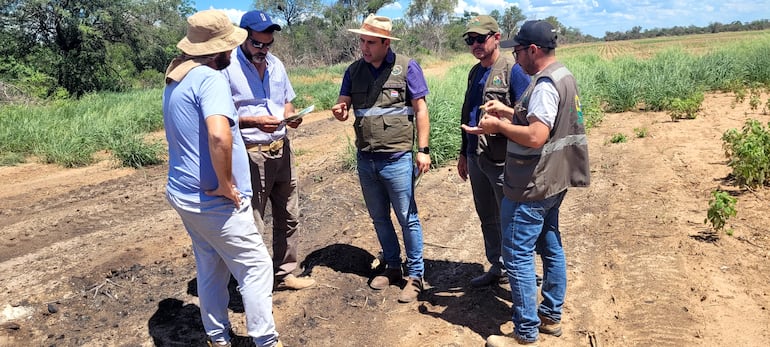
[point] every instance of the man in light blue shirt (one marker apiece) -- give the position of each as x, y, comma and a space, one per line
208, 182
262, 95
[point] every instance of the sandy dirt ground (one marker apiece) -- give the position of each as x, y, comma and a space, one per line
95, 256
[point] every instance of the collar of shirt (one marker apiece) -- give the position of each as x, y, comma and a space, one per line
390, 58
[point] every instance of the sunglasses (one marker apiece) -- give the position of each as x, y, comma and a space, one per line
259, 45
470, 40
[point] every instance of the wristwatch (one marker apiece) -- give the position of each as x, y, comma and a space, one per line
425, 150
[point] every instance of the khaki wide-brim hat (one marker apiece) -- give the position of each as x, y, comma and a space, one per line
210, 32
377, 26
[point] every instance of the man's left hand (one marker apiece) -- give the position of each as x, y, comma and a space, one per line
423, 162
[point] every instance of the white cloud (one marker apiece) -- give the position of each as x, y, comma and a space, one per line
396, 6
233, 14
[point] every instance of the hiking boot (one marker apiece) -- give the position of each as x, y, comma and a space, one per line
411, 290
386, 278
504, 341
291, 282
487, 279
549, 327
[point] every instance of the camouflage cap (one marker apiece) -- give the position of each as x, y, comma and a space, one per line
481, 25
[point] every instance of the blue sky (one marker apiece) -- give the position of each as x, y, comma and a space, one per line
594, 17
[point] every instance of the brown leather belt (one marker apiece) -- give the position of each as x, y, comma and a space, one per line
272, 147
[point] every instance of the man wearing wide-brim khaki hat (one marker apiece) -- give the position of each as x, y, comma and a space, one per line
377, 26
209, 33
387, 93
209, 184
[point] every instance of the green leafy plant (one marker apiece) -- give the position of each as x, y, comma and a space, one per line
721, 208
748, 152
685, 108
641, 132
618, 138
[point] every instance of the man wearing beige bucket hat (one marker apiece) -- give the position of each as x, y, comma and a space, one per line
209, 184
387, 93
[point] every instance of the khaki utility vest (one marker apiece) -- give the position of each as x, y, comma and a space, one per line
384, 116
496, 87
538, 173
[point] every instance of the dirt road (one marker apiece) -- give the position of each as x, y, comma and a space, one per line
95, 256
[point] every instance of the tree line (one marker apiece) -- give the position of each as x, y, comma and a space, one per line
56, 49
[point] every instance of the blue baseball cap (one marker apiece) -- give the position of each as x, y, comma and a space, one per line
258, 21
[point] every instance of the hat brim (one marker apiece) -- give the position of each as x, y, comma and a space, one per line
370, 33
480, 31
216, 45
509, 43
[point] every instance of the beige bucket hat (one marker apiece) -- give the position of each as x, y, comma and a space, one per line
210, 32
377, 26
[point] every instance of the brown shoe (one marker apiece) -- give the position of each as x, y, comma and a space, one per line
291, 282
549, 327
386, 278
506, 341
411, 290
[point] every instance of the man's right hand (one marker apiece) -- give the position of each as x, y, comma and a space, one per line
227, 191
266, 123
340, 111
462, 167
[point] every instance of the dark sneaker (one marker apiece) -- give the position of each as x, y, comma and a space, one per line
411, 290
386, 278
505, 341
219, 344
487, 279
549, 327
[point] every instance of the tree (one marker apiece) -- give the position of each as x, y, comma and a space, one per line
510, 20
290, 11
428, 19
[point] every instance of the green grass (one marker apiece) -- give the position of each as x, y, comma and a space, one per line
69, 132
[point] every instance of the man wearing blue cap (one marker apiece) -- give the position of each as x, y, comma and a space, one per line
547, 153
262, 94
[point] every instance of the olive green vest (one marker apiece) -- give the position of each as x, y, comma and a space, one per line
384, 115
496, 87
538, 173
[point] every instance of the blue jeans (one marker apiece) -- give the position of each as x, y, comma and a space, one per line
526, 227
386, 183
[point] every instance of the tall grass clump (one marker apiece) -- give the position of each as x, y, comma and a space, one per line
316, 86
68, 132
445, 103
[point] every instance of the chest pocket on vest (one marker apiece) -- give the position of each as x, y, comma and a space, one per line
494, 147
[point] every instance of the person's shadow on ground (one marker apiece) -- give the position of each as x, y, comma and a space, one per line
482, 310
176, 324
341, 258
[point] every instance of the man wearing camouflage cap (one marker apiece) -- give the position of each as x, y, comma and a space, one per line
482, 157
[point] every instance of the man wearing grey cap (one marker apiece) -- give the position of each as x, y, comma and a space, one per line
262, 94
547, 153
482, 157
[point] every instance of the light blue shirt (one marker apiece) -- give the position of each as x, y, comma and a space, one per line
254, 96
186, 105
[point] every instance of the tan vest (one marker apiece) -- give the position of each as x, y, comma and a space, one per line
538, 173
497, 87
384, 115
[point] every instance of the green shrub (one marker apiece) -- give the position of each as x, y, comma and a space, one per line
748, 152
618, 138
721, 208
641, 132
685, 108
